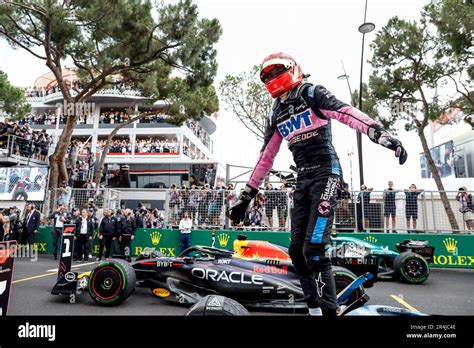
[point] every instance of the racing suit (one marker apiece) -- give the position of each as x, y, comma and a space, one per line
304, 120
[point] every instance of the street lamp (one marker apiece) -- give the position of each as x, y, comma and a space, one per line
346, 77
364, 28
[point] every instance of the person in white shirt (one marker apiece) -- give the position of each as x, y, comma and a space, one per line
59, 217
185, 226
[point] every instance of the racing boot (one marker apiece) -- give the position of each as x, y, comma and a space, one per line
326, 292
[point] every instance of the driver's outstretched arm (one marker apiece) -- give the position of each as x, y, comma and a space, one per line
329, 106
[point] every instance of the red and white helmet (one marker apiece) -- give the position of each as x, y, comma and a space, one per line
280, 73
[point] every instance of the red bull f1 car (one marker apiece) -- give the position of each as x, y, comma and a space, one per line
265, 279
256, 274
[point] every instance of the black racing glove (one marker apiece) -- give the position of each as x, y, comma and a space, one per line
237, 211
380, 136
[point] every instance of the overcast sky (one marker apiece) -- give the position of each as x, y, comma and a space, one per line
318, 34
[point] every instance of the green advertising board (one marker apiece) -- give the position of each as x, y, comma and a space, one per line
451, 250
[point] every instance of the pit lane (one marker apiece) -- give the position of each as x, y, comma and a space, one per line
446, 292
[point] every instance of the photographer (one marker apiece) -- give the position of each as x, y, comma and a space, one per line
65, 192
59, 217
4, 226
465, 207
95, 221
118, 232
15, 223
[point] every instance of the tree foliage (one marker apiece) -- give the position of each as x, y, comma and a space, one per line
454, 22
247, 98
12, 99
166, 51
406, 72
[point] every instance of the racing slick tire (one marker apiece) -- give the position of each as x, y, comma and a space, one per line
343, 277
111, 282
411, 267
214, 305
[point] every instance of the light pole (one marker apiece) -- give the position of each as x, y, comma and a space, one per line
364, 28
346, 77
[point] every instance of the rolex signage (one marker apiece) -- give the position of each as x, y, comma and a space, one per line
450, 255
450, 250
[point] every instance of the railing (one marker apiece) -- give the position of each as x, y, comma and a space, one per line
82, 198
25, 150
205, 207
107, 91
401, 213
412, 212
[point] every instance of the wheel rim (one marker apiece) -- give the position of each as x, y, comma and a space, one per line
414, 268
106, 283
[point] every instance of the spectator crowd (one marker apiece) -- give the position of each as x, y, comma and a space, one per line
193, 154
199, 132
27, 142
205, 206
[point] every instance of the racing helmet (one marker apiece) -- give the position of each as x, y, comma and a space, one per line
280, 73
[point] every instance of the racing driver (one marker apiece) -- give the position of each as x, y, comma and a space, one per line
302, 115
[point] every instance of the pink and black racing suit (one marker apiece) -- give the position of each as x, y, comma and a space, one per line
304, 120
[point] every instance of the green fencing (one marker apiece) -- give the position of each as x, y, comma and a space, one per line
452, 250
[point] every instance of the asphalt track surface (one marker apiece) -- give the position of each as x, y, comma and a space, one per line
446, 292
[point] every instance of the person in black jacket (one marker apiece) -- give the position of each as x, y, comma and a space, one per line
95, 221
31, 225
128, 233
270, 203
282, 206
107, 231
118, 232
84, 233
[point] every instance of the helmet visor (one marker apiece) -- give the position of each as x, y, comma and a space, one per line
269, 73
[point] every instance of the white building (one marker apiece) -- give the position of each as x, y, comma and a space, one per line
154, 154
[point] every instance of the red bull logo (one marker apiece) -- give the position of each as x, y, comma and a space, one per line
270, 269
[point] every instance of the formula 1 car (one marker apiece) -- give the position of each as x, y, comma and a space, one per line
257, 274
409, 263
258, 281
200, 270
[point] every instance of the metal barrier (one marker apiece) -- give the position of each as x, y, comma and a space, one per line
81, 198
369, 211
24, 150
398, 211
205, 207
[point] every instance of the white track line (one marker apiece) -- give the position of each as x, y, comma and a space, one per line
74, 266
